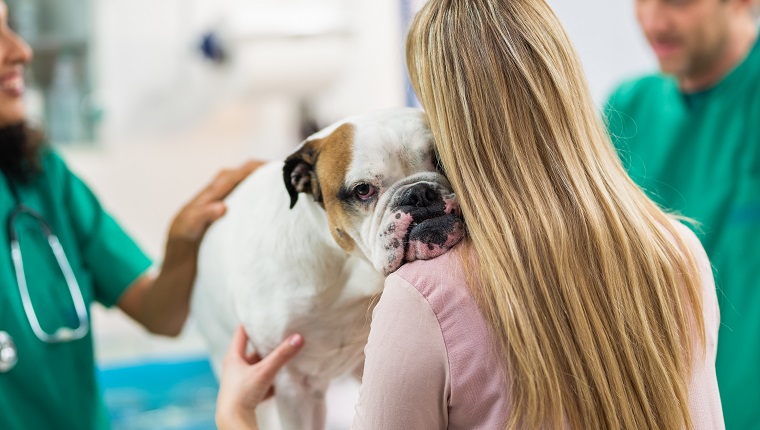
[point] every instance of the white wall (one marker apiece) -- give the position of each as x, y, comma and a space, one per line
151, 78
608, 41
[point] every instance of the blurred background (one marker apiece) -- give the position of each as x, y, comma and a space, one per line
148, 99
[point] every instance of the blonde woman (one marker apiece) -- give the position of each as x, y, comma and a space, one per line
575, 302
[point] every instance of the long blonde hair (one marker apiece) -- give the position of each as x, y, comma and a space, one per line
589, 297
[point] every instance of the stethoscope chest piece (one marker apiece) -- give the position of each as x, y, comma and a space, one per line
8, 353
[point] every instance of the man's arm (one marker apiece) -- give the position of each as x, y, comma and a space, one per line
162, 303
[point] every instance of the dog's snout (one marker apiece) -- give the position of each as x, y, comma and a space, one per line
420, 195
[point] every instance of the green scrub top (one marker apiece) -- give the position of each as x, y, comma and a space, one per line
699, 155
54, 386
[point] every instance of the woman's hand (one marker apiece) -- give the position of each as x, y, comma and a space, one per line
194, 218
247, 380
161, 304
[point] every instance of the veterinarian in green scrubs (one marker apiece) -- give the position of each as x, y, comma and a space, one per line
691, 138
52, 385
59, 252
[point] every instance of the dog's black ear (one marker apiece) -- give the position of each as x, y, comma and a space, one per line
299, 173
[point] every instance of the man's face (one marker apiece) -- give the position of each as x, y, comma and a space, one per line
687, 36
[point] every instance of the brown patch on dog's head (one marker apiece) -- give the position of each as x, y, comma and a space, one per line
319, 168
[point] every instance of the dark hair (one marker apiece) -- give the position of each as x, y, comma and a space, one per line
19, 151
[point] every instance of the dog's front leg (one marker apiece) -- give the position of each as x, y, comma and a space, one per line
301, 400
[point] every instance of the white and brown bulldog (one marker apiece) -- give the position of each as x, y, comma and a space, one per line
315, 265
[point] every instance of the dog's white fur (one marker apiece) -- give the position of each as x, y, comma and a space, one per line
278, 270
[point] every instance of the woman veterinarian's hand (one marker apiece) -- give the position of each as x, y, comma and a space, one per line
193, 220
162, 303
247, 380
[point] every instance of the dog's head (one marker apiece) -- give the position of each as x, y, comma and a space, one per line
376, 177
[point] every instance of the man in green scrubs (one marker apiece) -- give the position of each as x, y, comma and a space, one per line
46, 385
690, 137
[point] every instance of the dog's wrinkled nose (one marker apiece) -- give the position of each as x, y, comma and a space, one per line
420, 195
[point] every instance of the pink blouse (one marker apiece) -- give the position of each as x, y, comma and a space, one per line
430, 362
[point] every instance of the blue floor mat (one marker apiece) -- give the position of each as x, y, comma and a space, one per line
161, 395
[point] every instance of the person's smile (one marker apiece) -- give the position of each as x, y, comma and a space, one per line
12, 83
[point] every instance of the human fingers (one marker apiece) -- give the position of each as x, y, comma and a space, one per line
226, 181
269, 393
239, 342
207, 214
191, 223
253, 357
236, 352
272, 363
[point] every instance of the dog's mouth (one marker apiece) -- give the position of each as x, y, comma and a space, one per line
423, 233
431, 237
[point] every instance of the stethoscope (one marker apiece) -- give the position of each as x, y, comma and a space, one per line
8, 351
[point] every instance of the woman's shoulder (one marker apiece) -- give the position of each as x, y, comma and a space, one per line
694, 247
52, 162
710, 308
445, 272
442, 282
52, 167
686, 234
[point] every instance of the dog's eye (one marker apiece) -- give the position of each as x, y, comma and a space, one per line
364, 191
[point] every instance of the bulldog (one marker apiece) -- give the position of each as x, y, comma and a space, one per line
360, 198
